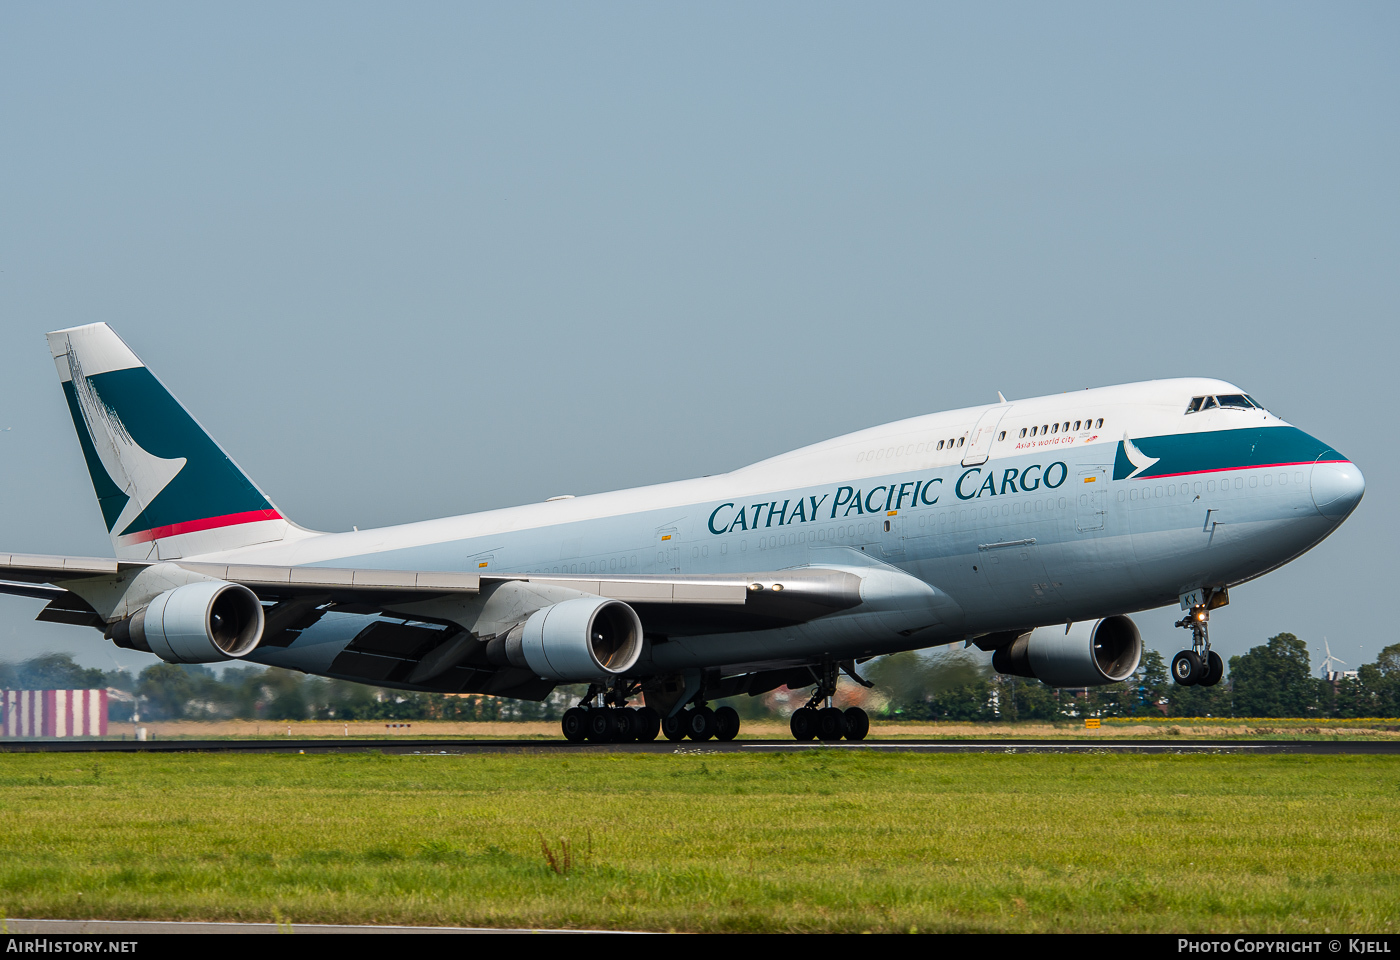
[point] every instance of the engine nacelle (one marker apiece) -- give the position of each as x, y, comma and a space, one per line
1089, 654
203, 622
587, 638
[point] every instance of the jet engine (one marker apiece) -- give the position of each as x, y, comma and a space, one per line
1088, 654
586, 638
203, 622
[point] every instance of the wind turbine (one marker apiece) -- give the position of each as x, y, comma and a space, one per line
1329, 659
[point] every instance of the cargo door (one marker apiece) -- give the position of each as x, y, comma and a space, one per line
1015, 572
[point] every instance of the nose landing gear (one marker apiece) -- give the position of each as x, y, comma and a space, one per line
1199, 666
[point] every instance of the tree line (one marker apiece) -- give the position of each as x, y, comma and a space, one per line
1274, 679
168, 691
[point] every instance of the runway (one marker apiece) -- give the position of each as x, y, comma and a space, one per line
455, 747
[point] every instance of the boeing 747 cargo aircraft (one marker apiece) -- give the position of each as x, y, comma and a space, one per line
1031, 528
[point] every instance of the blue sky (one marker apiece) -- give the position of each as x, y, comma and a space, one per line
412, 262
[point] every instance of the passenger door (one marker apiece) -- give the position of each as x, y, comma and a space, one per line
979, 441
1091, 485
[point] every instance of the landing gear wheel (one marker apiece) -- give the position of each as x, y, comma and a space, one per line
575, 724
627, 725
857, 723
831, 724
701, 724
648, 724
1215, 670
673, 728
727, 723
1187, 668
803, 724
602, 726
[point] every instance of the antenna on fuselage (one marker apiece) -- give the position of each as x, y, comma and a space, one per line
1000, 397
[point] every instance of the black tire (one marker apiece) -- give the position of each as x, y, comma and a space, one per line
727, 723
702, 724
831, 724
857, 723
1187, 669
575, 724
648, 724
1215, 670
627, 725
673, 728
602, 726
803, 724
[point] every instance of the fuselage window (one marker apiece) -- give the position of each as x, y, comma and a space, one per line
940, 444
1044, 428
1066, 426
1054, 428
1076, 424
1034, 430
1023, 431
960, 441
1100, 423
1002, 435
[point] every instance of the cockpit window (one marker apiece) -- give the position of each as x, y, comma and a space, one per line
1195, 405
1209, 404
1235, 401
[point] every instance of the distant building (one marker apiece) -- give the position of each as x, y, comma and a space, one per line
53, 713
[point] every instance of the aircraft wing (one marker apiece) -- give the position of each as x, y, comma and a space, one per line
680, 605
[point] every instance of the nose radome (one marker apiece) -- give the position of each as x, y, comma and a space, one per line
1337, 488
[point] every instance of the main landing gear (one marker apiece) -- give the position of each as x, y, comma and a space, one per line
1199, 666
817, 722
613, 721
702, 723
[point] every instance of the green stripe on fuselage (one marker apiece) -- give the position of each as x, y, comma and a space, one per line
1223, 450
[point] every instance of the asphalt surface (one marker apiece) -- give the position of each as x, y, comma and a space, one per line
449, 747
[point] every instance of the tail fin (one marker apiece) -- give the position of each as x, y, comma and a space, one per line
166, 488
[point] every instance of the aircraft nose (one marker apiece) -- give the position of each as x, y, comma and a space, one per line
1337, 488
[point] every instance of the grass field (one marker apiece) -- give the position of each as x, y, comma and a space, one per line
702, 841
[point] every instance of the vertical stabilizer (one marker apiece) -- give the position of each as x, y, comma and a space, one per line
166, 489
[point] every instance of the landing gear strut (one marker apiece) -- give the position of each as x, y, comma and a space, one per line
612, 721
1199, 666
822, 721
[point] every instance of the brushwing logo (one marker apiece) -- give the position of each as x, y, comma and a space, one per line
141, 475
1136, 457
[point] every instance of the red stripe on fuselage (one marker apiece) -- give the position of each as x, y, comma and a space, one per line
194, 526
1253, 466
